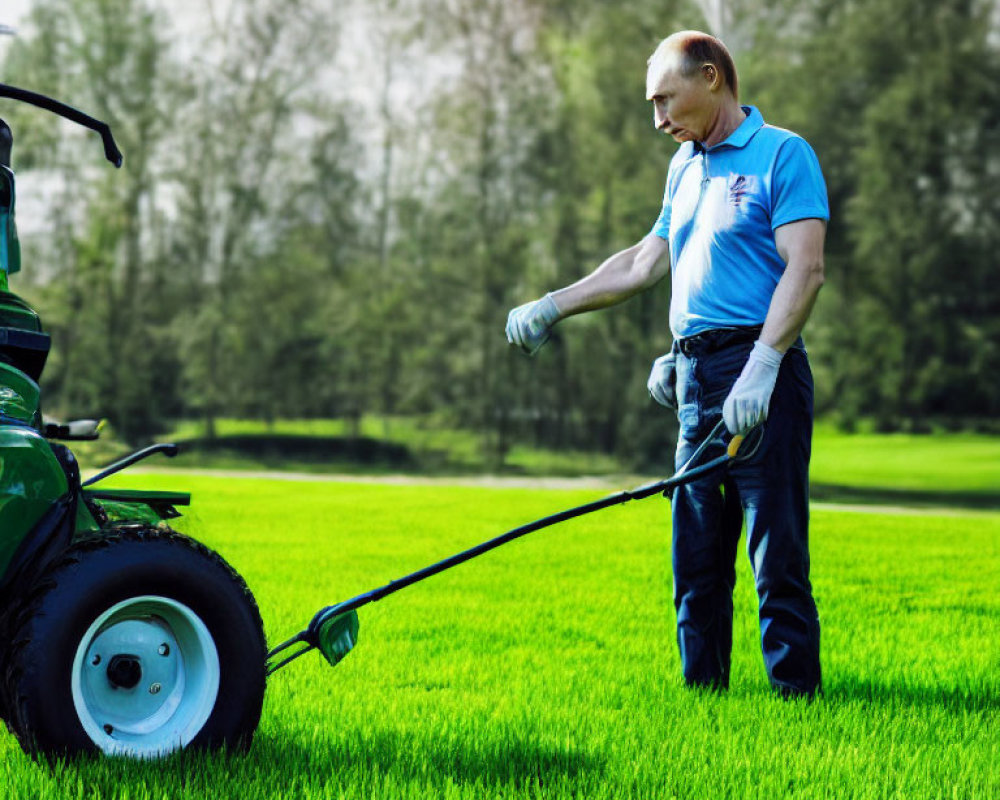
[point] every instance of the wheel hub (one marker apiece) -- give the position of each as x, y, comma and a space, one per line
145, 677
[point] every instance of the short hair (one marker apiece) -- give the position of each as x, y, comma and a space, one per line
696, 50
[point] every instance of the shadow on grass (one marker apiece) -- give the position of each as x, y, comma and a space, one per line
278, 765
400, 758
278, 448
877, 495
900, 693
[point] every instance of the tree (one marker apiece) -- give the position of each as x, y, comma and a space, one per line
107, 56
246, 89
905, 125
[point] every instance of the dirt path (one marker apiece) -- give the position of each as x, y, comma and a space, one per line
596, 482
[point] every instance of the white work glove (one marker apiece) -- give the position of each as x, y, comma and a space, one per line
529, 326
662, 383
746, 406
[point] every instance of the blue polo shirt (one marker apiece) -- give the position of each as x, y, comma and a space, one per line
720, 208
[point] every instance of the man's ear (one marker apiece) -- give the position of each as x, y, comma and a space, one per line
712, 77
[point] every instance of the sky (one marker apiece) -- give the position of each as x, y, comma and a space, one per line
12, 11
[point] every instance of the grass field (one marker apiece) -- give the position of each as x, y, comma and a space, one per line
940, 468
548, 668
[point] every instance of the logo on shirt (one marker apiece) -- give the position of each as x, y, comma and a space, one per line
738, 189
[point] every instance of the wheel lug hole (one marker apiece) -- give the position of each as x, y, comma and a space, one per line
164, 649
155, 688
96, 659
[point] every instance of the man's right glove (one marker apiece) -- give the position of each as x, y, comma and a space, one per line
748, 401
662, 383
530, 325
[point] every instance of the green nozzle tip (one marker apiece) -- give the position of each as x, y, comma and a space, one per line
338, 635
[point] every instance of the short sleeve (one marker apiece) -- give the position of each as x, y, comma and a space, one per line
798, 190
662, 225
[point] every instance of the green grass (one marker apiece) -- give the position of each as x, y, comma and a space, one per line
548, 668
959, 462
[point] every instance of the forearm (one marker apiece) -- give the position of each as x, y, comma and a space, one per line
792, 303
618, 278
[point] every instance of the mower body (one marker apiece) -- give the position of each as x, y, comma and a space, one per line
43, 506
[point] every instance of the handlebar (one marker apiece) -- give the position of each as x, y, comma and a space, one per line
111, 151
169, 450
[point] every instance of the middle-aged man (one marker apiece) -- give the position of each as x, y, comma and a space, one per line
744, 219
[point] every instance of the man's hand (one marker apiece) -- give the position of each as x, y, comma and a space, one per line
662, 383
747, 404
529, 326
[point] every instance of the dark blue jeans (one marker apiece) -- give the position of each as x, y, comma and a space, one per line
770, 491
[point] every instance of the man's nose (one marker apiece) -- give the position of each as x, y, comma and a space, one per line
660, 119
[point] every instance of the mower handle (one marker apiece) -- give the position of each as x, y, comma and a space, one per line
169, 450
309, 637
111, 151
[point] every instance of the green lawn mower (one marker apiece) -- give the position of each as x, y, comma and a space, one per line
117, 634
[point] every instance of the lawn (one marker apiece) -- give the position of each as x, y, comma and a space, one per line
962, 467
548, 668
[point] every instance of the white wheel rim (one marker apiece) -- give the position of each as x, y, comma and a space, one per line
145, 677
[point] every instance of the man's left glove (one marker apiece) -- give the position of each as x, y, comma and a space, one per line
662, 381
528, 326
746, 406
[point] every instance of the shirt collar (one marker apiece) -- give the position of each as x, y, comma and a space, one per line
743, 134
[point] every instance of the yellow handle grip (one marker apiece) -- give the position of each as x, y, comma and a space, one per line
734, 446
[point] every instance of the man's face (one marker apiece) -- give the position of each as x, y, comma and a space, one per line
682, 107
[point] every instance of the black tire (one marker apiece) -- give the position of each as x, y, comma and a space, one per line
122, 592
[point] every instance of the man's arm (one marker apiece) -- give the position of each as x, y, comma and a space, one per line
624, 274
800, 245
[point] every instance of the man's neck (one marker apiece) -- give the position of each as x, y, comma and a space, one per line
730, 117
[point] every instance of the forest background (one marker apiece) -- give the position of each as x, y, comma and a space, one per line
327, 209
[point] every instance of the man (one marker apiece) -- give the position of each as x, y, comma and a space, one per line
743, 220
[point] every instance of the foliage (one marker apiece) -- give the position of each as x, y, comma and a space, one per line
299, 234
905, 123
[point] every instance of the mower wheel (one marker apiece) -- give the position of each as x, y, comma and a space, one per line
138, 642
